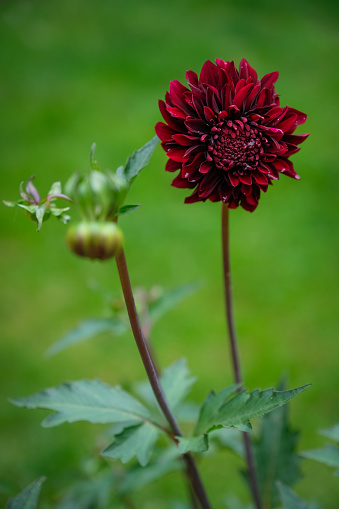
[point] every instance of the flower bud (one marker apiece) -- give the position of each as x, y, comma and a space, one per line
95, 239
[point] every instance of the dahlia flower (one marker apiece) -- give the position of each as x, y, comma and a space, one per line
228, 134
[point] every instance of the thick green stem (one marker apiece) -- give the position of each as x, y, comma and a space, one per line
234, 347
147, 360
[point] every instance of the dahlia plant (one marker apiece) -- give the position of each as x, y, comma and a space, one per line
229, 138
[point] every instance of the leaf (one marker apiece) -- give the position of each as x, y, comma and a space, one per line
127, 209
40, 212
92, 160
329, 455
138, 477
228, 409
55, 188
194, 444
85, 330
86, 400
139, 159
9, 203
275, 455
176, 382
88, 493
136, 440
290, 500
332, 433
28, 498
170, 299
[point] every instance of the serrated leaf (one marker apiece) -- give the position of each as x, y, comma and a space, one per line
86, 330
28, 498
275, 455
332, 433
127, 209
136, 441
193, 444
139, 159
170, 299
329, 455
86, 400
290, 500
176, 382
228, 409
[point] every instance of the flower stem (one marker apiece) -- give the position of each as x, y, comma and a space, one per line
147, 360
234, 347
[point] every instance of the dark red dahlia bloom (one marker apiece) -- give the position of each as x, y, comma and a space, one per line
228, 134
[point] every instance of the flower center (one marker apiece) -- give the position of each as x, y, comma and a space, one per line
235, 145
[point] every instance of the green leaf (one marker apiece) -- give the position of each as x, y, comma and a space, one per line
40, 212
55, 188
176, 382
275, 455
332, 433
92, 160
88, 493
9, 203
85, 330
170, 299
194, 444
228, 409
290, 500
138, 477
136, 441
86, 400
139, 159
28, 498
127, 209
329, 455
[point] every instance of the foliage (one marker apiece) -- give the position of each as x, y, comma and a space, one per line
329, 454
28, 498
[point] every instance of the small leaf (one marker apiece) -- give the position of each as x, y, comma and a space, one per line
329, 455
31, 209
40, 212
9, 203
139, 159
170, 299
194, 444
332, 433
136, 441
290, 500
86, 400
92, 160
229, 410
28, 498
55, 188
127, 209
85, 330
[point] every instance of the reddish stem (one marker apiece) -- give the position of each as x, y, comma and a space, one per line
147, 360
234, 347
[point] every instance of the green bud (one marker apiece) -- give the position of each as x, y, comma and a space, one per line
95, 239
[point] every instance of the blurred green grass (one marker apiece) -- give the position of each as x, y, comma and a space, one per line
74, 72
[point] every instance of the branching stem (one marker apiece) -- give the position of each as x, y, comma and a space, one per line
234, 347
145, 355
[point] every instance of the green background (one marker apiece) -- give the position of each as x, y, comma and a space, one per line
78, 71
